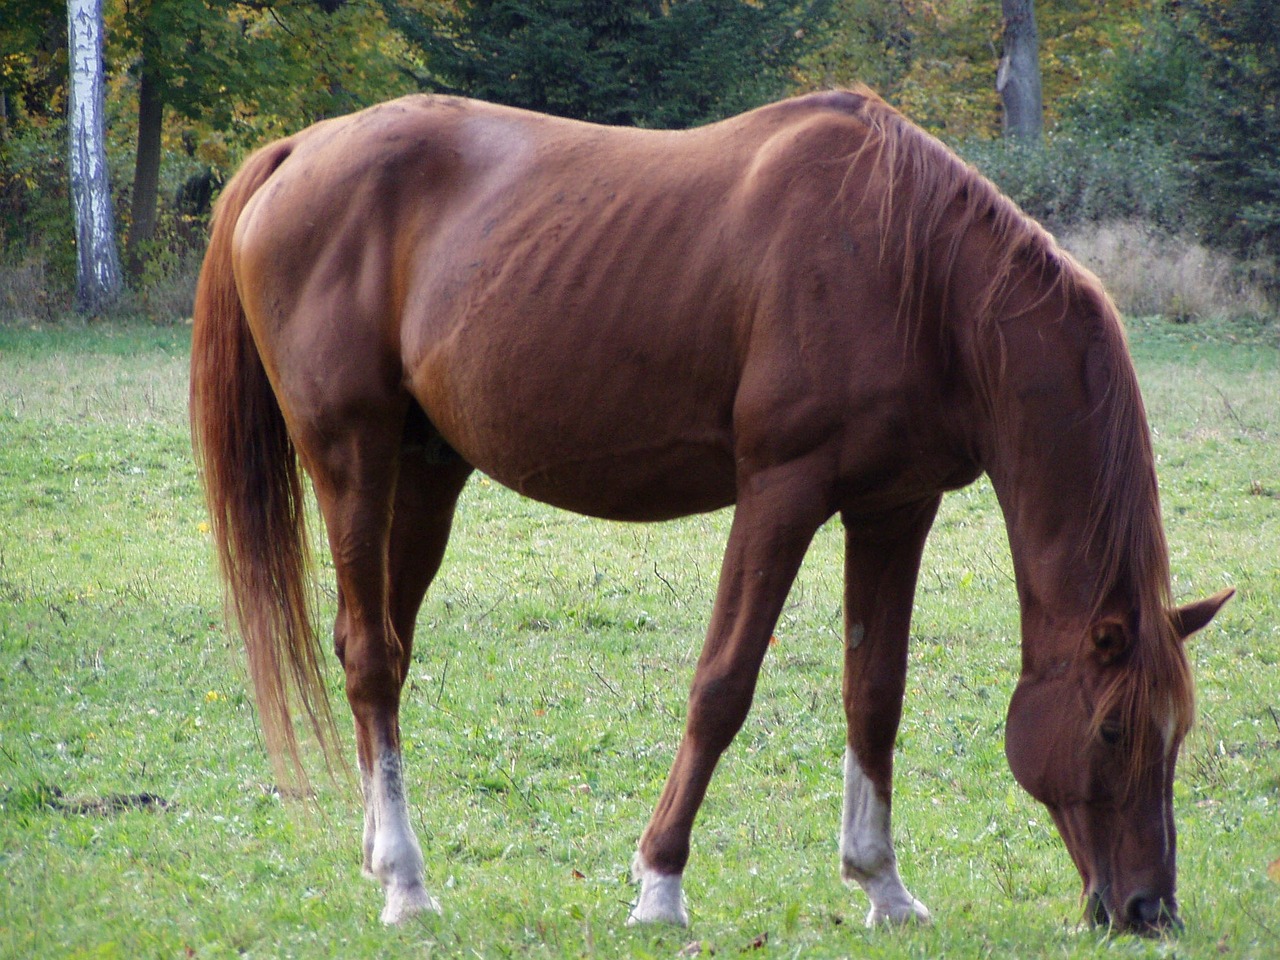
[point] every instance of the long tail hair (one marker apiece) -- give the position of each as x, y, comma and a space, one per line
253, 487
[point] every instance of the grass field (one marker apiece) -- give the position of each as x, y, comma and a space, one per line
138, 816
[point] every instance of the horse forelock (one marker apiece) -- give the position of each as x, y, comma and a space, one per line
932, 200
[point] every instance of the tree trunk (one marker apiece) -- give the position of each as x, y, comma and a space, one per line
146, 173
97, 263
1018, 78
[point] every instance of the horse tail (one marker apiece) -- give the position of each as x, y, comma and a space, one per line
253, 487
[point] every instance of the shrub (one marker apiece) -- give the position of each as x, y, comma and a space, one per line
1076, 178
26, 294
35, 205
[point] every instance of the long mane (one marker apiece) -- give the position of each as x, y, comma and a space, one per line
932, 201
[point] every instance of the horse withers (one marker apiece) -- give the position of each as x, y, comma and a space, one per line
808, 310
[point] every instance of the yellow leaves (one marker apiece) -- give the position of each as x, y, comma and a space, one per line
1273, 871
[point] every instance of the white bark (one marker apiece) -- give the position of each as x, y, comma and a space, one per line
97, 262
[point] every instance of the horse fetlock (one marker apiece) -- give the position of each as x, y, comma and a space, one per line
864, 859
395, 861
396, 858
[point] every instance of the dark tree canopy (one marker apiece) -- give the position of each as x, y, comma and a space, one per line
1237, 168
646, 63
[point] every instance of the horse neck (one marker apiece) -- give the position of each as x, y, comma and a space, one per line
1064, 441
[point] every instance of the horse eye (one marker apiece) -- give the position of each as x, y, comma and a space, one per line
1110, 733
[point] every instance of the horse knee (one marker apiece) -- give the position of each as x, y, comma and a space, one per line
718, 706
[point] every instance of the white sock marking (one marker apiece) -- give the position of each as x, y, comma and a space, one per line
391, 851
661, 900
370, 823
866, 850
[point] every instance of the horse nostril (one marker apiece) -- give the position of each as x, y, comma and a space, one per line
1144, 911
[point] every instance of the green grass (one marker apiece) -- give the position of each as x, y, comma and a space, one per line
547, 699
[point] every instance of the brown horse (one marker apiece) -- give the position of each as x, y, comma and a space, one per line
810, 309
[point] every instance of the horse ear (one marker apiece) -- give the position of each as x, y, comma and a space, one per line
1110, 640
1196, 616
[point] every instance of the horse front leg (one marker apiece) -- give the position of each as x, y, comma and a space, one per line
772, 528
881, 565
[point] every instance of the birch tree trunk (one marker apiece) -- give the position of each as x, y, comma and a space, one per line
1018, 77
97, 262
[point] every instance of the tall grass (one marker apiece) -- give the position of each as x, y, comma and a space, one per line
1149, 272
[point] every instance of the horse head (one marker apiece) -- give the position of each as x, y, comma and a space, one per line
1094, 737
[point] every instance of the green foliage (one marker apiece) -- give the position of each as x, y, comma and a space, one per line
1077, 177
33, 58
254, 70
648, 64
1114, 154
860, 41
1148, 90
35, 203
1157, 110
936, 59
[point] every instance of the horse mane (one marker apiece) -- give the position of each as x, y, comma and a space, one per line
931, 201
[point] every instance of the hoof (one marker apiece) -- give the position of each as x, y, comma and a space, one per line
406, 902
899, 914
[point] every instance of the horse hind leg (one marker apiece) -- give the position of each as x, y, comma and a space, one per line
430, 478
372, 501
881, 566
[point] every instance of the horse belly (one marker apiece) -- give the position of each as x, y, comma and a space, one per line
642, 483
584, 434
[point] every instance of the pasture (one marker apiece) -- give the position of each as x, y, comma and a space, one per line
139, 815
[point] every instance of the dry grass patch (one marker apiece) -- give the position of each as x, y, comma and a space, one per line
1148, 273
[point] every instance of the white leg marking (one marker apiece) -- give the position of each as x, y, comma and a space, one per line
661, 899
866, 850
370, 823
395, 859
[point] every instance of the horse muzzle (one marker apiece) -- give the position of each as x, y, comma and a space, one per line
1141, 913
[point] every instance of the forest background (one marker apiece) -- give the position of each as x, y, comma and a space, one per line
1160, 160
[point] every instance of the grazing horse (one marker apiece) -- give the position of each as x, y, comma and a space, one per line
807, 310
